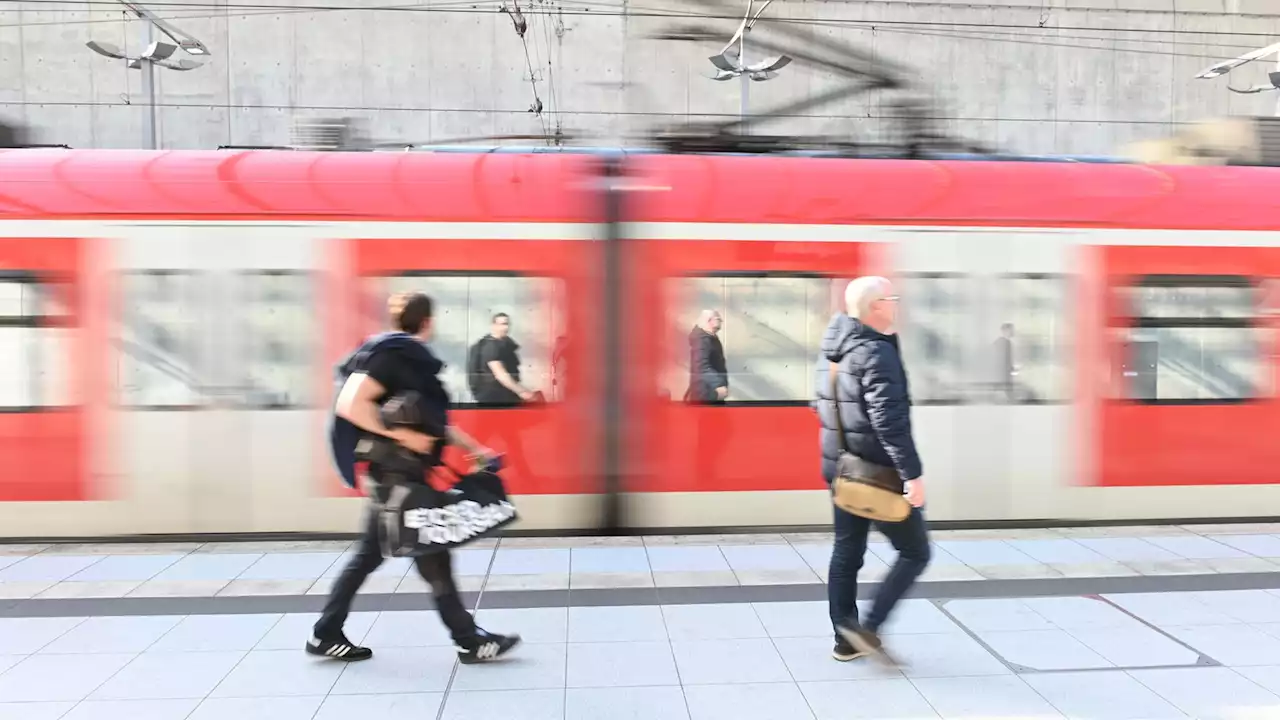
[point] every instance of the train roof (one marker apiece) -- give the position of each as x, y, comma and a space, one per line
513, 186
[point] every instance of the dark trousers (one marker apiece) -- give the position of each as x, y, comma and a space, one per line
908, 537
436, 568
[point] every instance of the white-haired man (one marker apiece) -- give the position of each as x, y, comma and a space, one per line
708, 373
874, 403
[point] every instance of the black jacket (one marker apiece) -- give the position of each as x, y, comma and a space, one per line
707, 368
875, 403
415, 368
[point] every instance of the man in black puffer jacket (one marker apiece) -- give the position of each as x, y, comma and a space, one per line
875, 411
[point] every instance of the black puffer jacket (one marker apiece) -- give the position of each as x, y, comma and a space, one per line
875, 403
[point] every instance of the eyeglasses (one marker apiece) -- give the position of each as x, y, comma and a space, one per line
888, 298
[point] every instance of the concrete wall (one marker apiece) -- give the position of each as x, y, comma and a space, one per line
1101, 73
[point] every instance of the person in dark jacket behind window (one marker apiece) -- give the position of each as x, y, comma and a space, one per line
874, 403
708, 373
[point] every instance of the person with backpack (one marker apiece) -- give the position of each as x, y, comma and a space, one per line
493, 367
398, 365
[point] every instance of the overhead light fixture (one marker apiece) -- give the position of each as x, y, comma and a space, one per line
1226, 66
193, 46
156, 53
731, 62
106, 49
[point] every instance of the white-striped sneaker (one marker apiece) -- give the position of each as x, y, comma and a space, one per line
486, 647
339, 649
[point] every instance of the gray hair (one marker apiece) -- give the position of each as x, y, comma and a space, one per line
860, 293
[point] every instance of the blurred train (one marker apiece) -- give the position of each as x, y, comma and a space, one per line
169, 324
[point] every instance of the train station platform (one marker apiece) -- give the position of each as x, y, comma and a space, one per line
1106, 623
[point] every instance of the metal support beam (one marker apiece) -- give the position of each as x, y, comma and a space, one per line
613, 412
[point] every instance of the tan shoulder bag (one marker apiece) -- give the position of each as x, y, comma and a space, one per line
860, 487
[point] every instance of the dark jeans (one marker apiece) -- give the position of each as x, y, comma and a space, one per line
908, 537
436, 569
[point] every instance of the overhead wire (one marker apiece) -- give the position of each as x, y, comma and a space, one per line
630, 113
220, 10
521, 25
927, 28
1017, 34
553, 49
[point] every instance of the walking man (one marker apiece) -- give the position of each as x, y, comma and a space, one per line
385, 366
874, 403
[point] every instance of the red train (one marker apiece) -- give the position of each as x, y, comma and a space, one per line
171, 321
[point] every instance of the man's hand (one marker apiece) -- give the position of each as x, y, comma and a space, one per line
479, 456
413, 440
526, 396
915, 492
722, 392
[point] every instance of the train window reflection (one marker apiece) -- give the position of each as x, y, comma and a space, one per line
282, 335
465, 308
36, 337
1193, 364
156, 363
985, 340
1190, 339
1031, 345
1229, 300
771, 327
935, 313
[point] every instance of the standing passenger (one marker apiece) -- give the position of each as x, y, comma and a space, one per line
497, 375
708, 373
1006, 370
875, 411
384, 367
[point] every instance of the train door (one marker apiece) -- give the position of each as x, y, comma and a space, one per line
48, 385
752, 456
215, 370
541, 281
987, 337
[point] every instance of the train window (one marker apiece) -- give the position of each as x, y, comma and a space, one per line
772, 327
282, 335
465, 306
985, 340
1029, 336
36, 327
1190, 339
156, 341
936, 316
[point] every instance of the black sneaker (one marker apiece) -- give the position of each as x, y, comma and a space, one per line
866, 642
340, 649
844, 652
486, 647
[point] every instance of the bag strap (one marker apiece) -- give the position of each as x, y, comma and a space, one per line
833, 371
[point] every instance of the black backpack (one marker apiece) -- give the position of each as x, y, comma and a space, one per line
475, 367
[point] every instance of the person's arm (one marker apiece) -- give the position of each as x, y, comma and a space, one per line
357, 404
457, 436
494, 363
884, 389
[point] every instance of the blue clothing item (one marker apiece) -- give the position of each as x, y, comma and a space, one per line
874, 400
909, 537
399, 362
